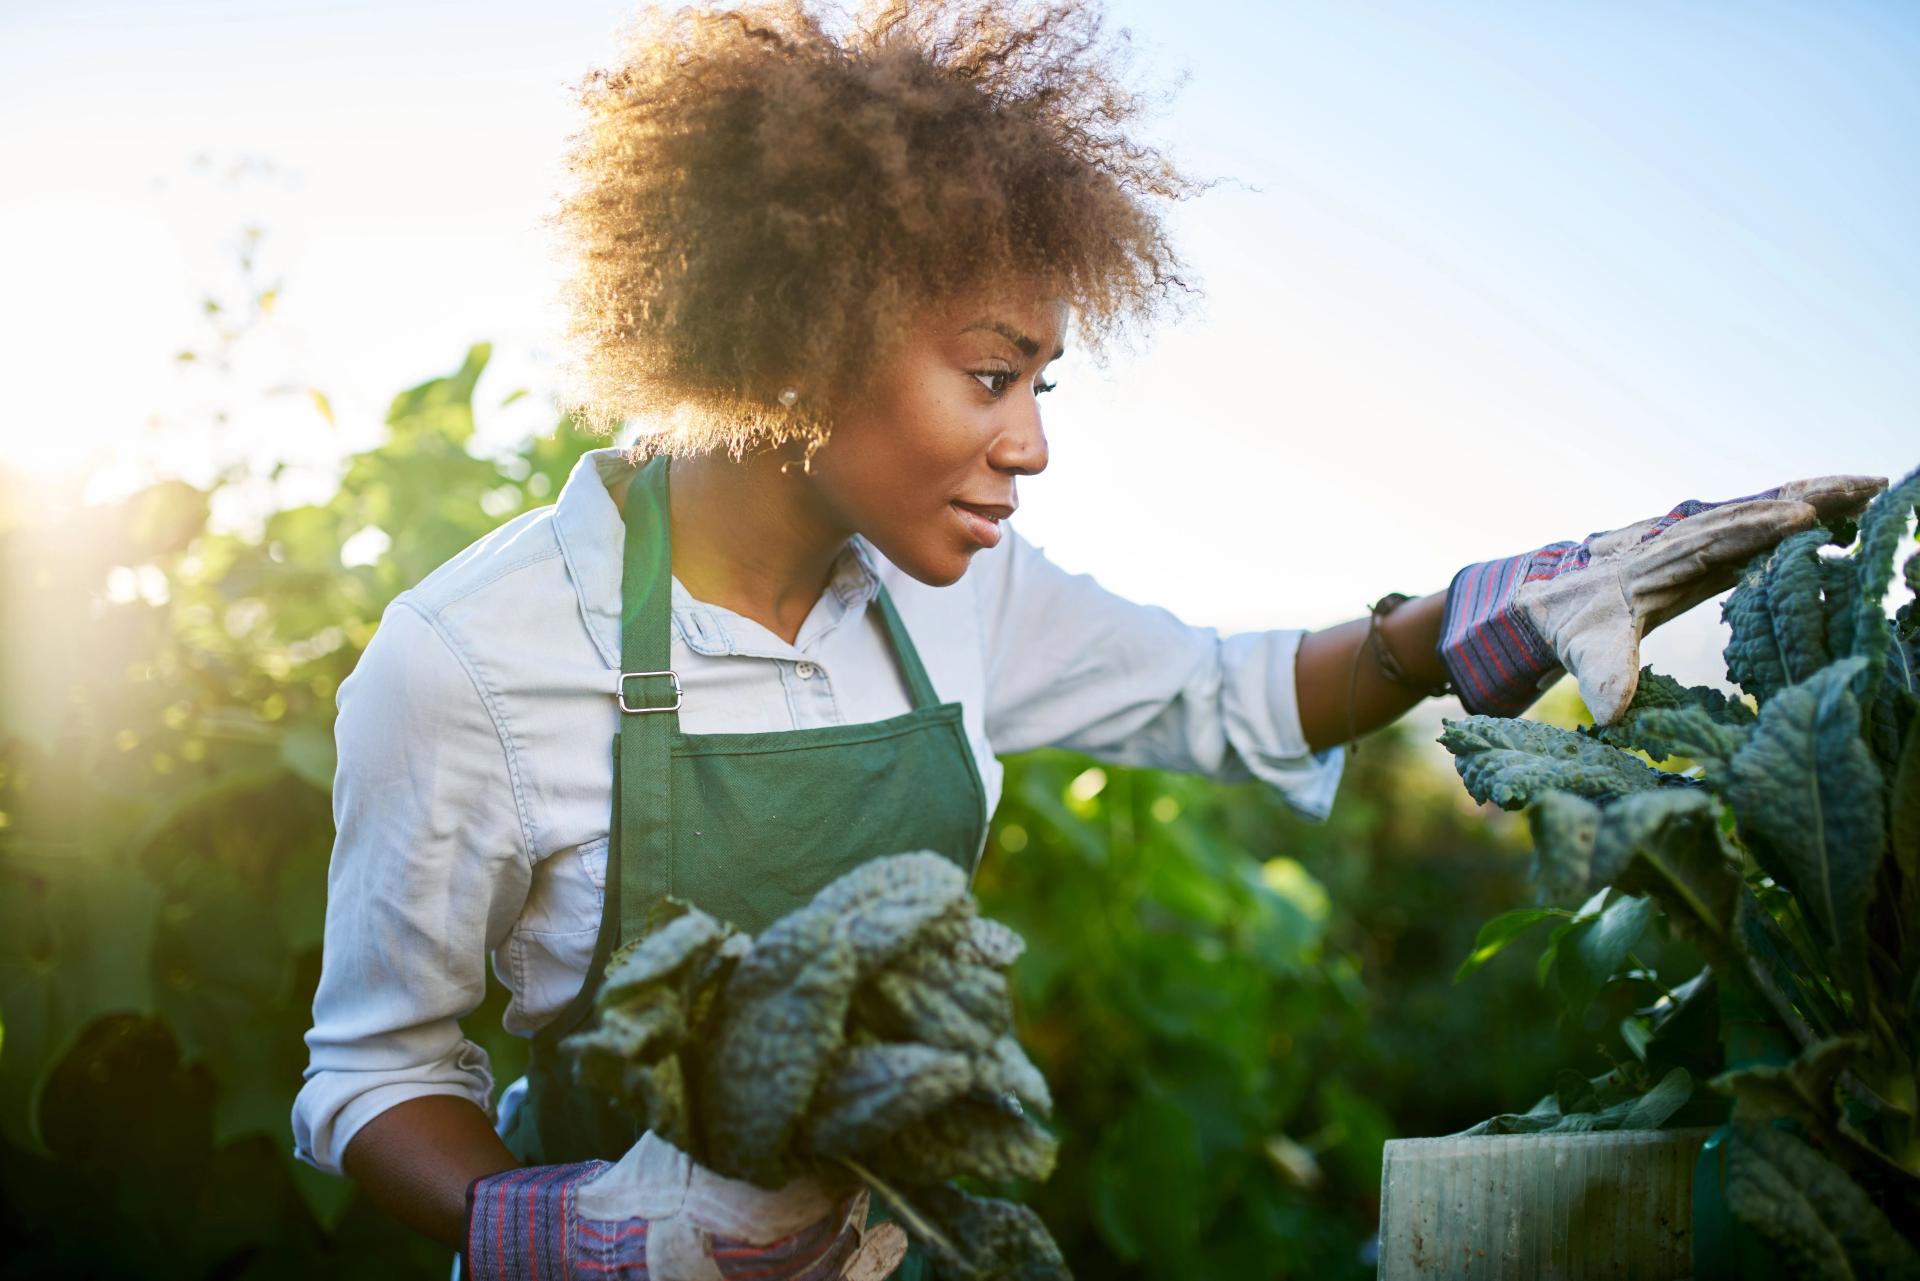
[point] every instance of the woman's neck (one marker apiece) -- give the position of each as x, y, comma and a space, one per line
749, 538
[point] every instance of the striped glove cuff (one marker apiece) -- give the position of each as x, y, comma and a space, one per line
518, 1221
1497, 659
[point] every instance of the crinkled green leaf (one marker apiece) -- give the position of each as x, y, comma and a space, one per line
441, 408
1778, 618
991, 1239
1840, 599
1910, 612
658, 993
786, 1012
1752, 654
1883, 527
883, 905
937, 998
1686, 731
1667, 718
872, 1026
1006, 1072
1894, 704
874, 1090
1801, 1091
973, 1137
1667, 845
1564, 827
674, 948
1809, 802
1513, 763
1904, 829
1657, 691
1817, 1222
991, 943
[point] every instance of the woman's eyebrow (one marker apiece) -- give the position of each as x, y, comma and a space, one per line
1028, 347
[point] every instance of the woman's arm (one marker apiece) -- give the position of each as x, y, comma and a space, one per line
1582, 607
428, 869
416, 1159
1325, 676
1070, 664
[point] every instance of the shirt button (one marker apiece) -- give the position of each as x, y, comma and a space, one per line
804, 670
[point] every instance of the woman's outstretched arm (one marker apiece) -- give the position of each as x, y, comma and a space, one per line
1579, 607
1325, 675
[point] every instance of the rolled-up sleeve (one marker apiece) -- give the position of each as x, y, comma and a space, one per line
1070, 664
430, 869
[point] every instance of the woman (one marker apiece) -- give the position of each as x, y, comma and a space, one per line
790, 631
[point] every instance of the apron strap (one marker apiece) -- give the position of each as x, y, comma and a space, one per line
917, 683
648, 703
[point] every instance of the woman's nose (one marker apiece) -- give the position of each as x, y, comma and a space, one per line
1022, 448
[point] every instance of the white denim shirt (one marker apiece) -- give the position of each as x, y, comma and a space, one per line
474, 786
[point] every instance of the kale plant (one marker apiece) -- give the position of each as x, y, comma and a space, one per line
869, 1031
1782, 841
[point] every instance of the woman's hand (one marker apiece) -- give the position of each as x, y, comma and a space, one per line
656, 1213
1511, 626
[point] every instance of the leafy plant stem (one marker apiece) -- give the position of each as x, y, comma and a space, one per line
916, 1222
1653, 975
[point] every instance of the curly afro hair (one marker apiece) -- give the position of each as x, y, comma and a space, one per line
765, 196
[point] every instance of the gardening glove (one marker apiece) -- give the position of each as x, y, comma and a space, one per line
1513, 626
656, 1215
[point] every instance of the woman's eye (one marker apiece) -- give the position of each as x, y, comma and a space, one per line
995, 381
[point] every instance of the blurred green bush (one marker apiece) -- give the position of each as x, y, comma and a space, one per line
1235, 1007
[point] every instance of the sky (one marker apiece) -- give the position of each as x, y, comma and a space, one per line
1481, 276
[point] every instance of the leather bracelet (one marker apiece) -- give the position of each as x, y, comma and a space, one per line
1389, 665
1383, 659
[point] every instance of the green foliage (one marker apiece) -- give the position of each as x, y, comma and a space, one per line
1808, 797
1619, 1100
1779, 618
166, 752
990, 1238
1502, 930
1668, 720
1597, 946
1818, 1221
792, 1076
1769, 858
661, 994
1511, 763
1236, 1007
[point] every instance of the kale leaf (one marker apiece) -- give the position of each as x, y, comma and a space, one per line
871, 1029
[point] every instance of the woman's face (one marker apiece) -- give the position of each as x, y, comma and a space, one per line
925, 465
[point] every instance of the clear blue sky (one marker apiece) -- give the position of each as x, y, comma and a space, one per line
1499, 273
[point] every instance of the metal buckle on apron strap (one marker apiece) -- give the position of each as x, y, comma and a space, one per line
621, 692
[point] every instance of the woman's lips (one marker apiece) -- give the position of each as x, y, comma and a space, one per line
982, 523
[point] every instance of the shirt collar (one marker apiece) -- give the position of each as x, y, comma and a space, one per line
592, 540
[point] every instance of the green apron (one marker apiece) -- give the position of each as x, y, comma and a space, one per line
745, 826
